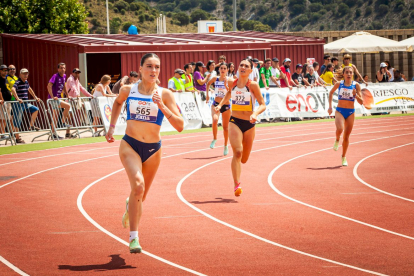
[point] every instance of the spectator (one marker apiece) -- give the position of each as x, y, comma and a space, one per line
328, 76
390, 69
21, 90
412, 79
125, 80
11, 79
231, 70
222, 59
286, 77
383, 75
176, 83
297, 77
5, 96
347, 62
102, 89
366, 78
74, 87
265, 74
311, 78
327, 60
315, 73
335, 63
256, 75
398, 76
210, 73
55, 87
275, 70
188, 77
199, 80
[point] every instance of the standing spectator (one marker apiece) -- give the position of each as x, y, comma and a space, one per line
21, 90
366, 78
133, 78
176, 83
383, 75
328, 76
335, 63
222, 59
55, 87
390, 69
74, 87
199, 80
256, 74
265, 74
275, 70
297, 77
311, 78
286, 77
397, 76
315, 73
231, 70
210, 73
327, 59
188, 77
347, 62
5, 96
11, 79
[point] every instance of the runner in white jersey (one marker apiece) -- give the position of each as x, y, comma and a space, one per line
140, 148
220, 90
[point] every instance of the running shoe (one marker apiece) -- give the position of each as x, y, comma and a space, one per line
125, 217
226, 150
336, 145
238, 190
344, 162
134, 246
213, 143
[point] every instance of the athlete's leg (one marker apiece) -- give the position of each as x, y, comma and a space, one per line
215, 116
236, 142
248, 138
349, 124
225, 117
149, 169
339, 122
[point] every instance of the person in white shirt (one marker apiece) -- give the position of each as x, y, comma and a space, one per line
254, 75
275, 69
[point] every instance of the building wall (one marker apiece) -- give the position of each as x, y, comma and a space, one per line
40, 58
297, 53
1, 51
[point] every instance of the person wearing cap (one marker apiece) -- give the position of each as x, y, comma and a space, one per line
298, 78
11, 78
21, 90
286, 77
125, 80
176, 83
347, 62
74, 87
383, 75
200, 83
5, 96
327, 59
275, 70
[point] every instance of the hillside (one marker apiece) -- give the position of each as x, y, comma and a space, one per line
265, 15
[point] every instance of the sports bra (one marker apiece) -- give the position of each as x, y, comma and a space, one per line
140, 107
346, 92
220, 89
241, 98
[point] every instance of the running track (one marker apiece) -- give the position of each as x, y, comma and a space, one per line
300, 213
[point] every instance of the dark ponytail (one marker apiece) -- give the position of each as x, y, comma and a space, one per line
146, 56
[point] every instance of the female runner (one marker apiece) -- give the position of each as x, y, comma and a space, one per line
348, 91
220, 89
244, 94
140, 148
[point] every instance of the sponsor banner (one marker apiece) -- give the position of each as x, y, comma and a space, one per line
205, 108
105, 107
188, 108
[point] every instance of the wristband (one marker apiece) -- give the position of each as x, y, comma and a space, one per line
111, 125
170, 116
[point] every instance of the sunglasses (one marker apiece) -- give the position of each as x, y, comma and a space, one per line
4, 70
12, 69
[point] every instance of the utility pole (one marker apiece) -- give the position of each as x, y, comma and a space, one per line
234, 15
107, 17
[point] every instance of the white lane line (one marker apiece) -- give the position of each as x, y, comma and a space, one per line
181, 197
11, 266
355, 171
269, 179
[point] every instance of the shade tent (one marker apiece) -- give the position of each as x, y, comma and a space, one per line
363, 42
408, 42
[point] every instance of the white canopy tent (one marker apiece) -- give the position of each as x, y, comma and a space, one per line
408, 42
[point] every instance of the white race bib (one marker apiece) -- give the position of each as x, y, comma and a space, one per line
346, 93
241, 98
143, 110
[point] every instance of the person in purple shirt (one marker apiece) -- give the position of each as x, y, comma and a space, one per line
199, 80
55, 87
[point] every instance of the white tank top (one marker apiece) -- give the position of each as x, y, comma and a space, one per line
97, 93
220, 89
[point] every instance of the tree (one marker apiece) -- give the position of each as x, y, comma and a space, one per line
383, 9
114, 25
272, 19
198, 14
122, 5
208, 5
343, 9
43, 16
262, 28
182, 18
126, 26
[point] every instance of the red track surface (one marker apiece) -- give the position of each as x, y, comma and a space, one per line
309, 217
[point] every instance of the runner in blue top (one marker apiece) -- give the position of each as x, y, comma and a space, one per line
220, 89
348, 91
140, 148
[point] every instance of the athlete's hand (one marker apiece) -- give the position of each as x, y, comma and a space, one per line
217, 108
253, 118
330, 110
354, 92
109, 135
157, 99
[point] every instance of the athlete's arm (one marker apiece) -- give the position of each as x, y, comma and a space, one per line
116, 109
168, 107
334, 88
255, 88
208, 89
358, 94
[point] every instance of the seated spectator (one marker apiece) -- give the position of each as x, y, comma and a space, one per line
397, 76
133, 78
328, 75
176, 83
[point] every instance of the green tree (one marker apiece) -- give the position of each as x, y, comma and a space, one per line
382, 9
114, 25
182, 18
126, 26
198, 14
122, 5
262, 28
343, 9
208, 5
43, 16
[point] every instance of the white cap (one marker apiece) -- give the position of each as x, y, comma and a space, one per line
383, 64
287, 59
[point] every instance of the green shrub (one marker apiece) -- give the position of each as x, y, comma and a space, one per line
126, 26
368, 11
116, 10
343, 9
382, 9
208, 5
182, 18
404, 13
315, 7
242, 4
123, 11
376, 25
121, 4
141, 18
357, 13
198, 14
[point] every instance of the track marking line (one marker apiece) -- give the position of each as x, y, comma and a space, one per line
355, 171
11, 266
181, 197
269, 180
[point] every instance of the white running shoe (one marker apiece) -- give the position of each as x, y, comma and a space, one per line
344, 162
336, 145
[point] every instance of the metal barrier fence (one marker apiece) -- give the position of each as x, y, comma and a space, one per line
6, 130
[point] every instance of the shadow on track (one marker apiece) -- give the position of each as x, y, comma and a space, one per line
116, 263
203, 158
220, 200
326, 168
